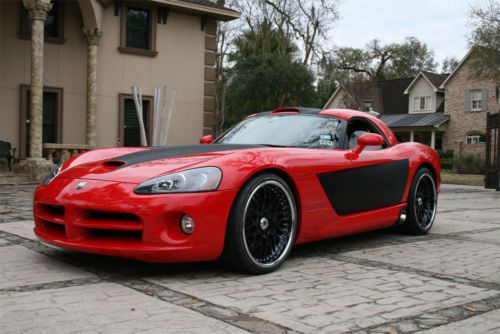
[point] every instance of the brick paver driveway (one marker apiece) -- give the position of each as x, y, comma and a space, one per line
448, 281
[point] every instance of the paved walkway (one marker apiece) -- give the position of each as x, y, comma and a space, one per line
380, 282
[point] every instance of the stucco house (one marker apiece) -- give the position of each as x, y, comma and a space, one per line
67, 67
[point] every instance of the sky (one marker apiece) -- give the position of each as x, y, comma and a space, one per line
441, 24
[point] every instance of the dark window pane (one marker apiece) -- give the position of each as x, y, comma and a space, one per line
49, 124
51, 22
131, 130
137, 28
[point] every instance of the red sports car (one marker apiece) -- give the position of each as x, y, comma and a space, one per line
275, 179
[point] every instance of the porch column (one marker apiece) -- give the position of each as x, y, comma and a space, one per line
93, 36
38, 11
411, 135
433, 139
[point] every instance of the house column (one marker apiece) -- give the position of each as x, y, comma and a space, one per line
38, 10
433, 139
93, 36
412, 136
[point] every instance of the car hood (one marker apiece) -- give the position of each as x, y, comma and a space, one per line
139, 166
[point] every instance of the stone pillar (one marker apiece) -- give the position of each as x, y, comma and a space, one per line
93, 36
433, 139
38, 11
412, 136
36, 166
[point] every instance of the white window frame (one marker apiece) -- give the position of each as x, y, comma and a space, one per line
476, 100
473, 139
417, 103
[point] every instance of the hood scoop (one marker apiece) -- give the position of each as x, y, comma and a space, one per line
108, 166
114, 163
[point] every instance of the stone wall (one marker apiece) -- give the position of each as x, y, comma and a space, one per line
463, 122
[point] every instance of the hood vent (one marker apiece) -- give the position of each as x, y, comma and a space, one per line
108, 166
114, 163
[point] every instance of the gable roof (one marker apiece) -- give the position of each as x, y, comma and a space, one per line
433, 79
456, 68
339, 87
387, 96
394, 101
433, 119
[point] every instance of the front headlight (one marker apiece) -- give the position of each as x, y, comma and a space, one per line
188, 181
52, 175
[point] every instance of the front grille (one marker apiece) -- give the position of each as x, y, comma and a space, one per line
54, 229
115, 234
51, 213
87, 224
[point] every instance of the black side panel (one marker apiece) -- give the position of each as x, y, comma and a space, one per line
177, 151
366, 188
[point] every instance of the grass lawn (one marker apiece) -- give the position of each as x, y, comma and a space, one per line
467, 179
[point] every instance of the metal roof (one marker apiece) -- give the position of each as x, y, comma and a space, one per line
415, 120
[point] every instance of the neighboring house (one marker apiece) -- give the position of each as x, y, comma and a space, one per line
412, 107
467, 100
446, 112
423, 120
94, 51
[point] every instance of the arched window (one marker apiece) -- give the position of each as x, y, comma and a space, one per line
473, 138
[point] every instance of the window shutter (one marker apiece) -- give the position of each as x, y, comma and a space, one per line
467, 100
484, 99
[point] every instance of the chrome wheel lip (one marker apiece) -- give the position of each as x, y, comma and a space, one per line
416, 199
293, 215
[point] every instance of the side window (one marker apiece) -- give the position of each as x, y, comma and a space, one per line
476, 100
474, 138
356, 128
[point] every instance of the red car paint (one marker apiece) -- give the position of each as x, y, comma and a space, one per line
107, 217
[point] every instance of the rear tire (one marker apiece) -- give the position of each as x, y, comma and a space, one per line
262, 225
421, 204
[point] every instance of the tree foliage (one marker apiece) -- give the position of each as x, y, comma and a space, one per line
265, 82
485, 40
449, 64
263, 39
378, 61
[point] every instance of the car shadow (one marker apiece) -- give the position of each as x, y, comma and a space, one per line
109, 267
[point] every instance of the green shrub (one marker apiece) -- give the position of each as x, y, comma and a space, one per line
446, 158
469, 164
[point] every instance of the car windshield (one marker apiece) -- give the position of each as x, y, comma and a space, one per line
307, 131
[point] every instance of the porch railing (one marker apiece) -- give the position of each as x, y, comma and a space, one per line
58, 153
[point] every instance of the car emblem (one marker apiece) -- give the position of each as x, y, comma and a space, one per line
80, 185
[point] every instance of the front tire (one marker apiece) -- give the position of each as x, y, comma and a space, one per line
262, 225
422, 203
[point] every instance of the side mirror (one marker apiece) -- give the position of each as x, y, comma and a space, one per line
368, 139
208, 139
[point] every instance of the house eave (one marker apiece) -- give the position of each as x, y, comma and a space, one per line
196, 9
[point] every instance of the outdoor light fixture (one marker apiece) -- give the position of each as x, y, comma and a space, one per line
187, 224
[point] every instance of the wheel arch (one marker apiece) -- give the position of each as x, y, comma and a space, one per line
431, 168
289, 181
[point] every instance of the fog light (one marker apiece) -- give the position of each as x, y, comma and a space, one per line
187, 224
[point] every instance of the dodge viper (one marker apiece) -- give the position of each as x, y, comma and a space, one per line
276, 179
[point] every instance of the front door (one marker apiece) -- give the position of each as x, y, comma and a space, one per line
51, 119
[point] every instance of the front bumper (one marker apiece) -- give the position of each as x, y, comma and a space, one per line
108, 218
